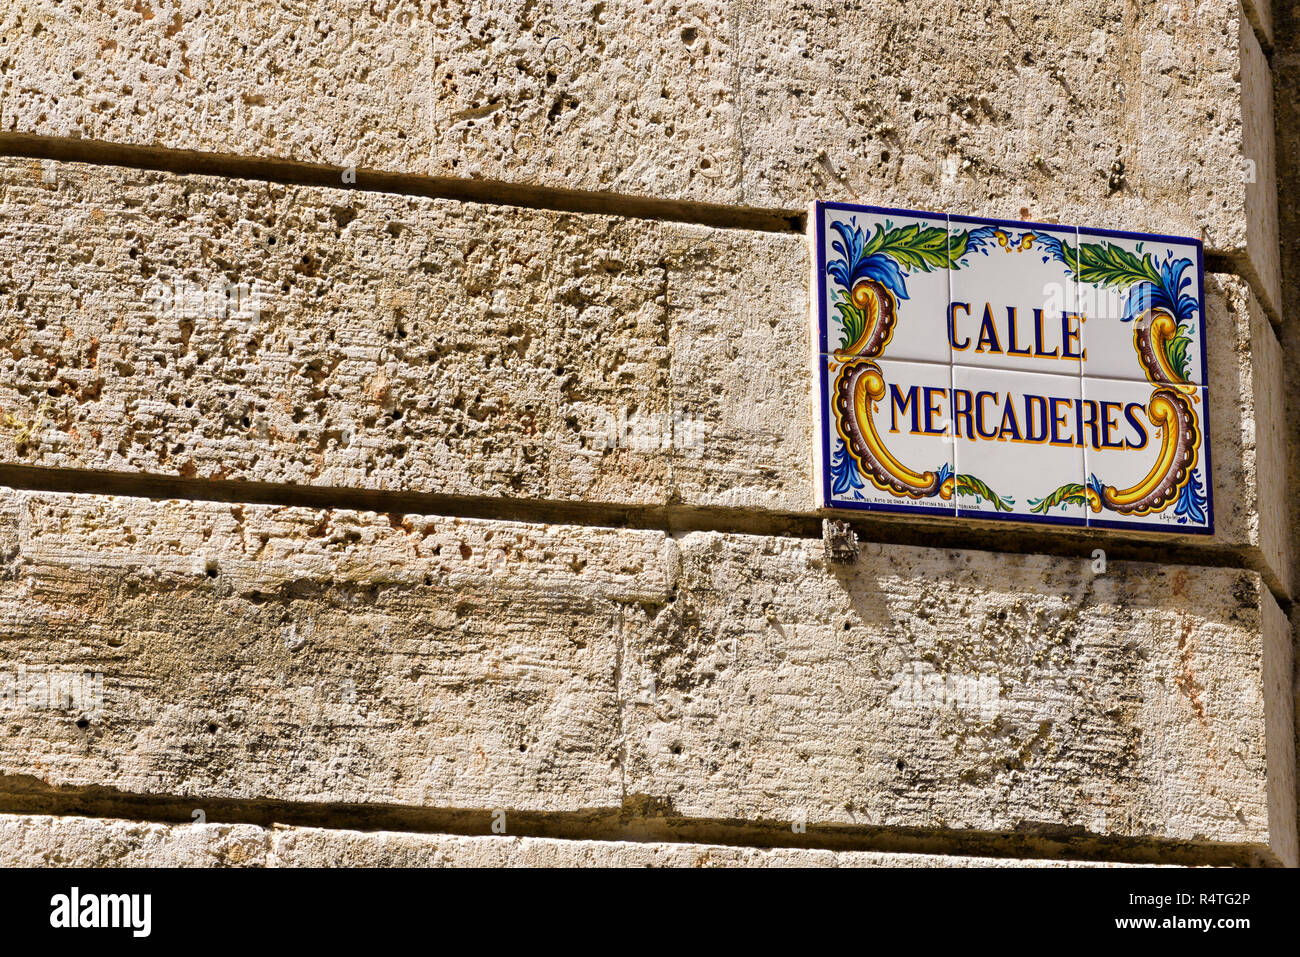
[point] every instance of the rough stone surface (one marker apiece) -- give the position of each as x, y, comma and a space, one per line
963, 690
1249, 430
1250, 450
428, 346
625, 96
34, 840
401, 343
323, 656
1263, 264
315, 847
989, 109
1100, 115
267, 653
1279, 679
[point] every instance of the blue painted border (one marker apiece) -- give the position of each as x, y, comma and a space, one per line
1127, 234
819, 237
831, 502
1026, 519
1021, 224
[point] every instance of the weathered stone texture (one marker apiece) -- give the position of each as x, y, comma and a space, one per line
1279, 679
1105, 114
424, 345
1263, 264
34, 840
402, 343
990, 109
1249, 451
964, 690
282, 653
267, 653
316, 847
624, 96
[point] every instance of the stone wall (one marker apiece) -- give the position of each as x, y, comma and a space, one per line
406, 440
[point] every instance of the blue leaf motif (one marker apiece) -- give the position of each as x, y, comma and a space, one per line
1094, 483
1055, 248
977, 240
1167, 294
844, 471
854, 264
885, 271
1191, 502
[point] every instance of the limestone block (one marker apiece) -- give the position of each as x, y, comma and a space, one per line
1106, 114
1248, 429
964, 690
39, 840
390, 342
290, 654
266, 653
317, 847
621, 96
419, 345
1262, 264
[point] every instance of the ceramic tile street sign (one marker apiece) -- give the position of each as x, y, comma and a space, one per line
985, 369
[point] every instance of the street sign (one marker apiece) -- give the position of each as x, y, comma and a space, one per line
987, 369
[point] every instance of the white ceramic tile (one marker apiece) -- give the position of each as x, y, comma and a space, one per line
1124, 447
900, 453
964, 410
881, 269
1014, 301
1018, 451
1120, 305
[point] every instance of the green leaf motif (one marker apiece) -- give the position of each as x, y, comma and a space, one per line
957, 243
853, 318
912, 246
1176, 353
1070, 256
1072, 494
970, 485
1103, 264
